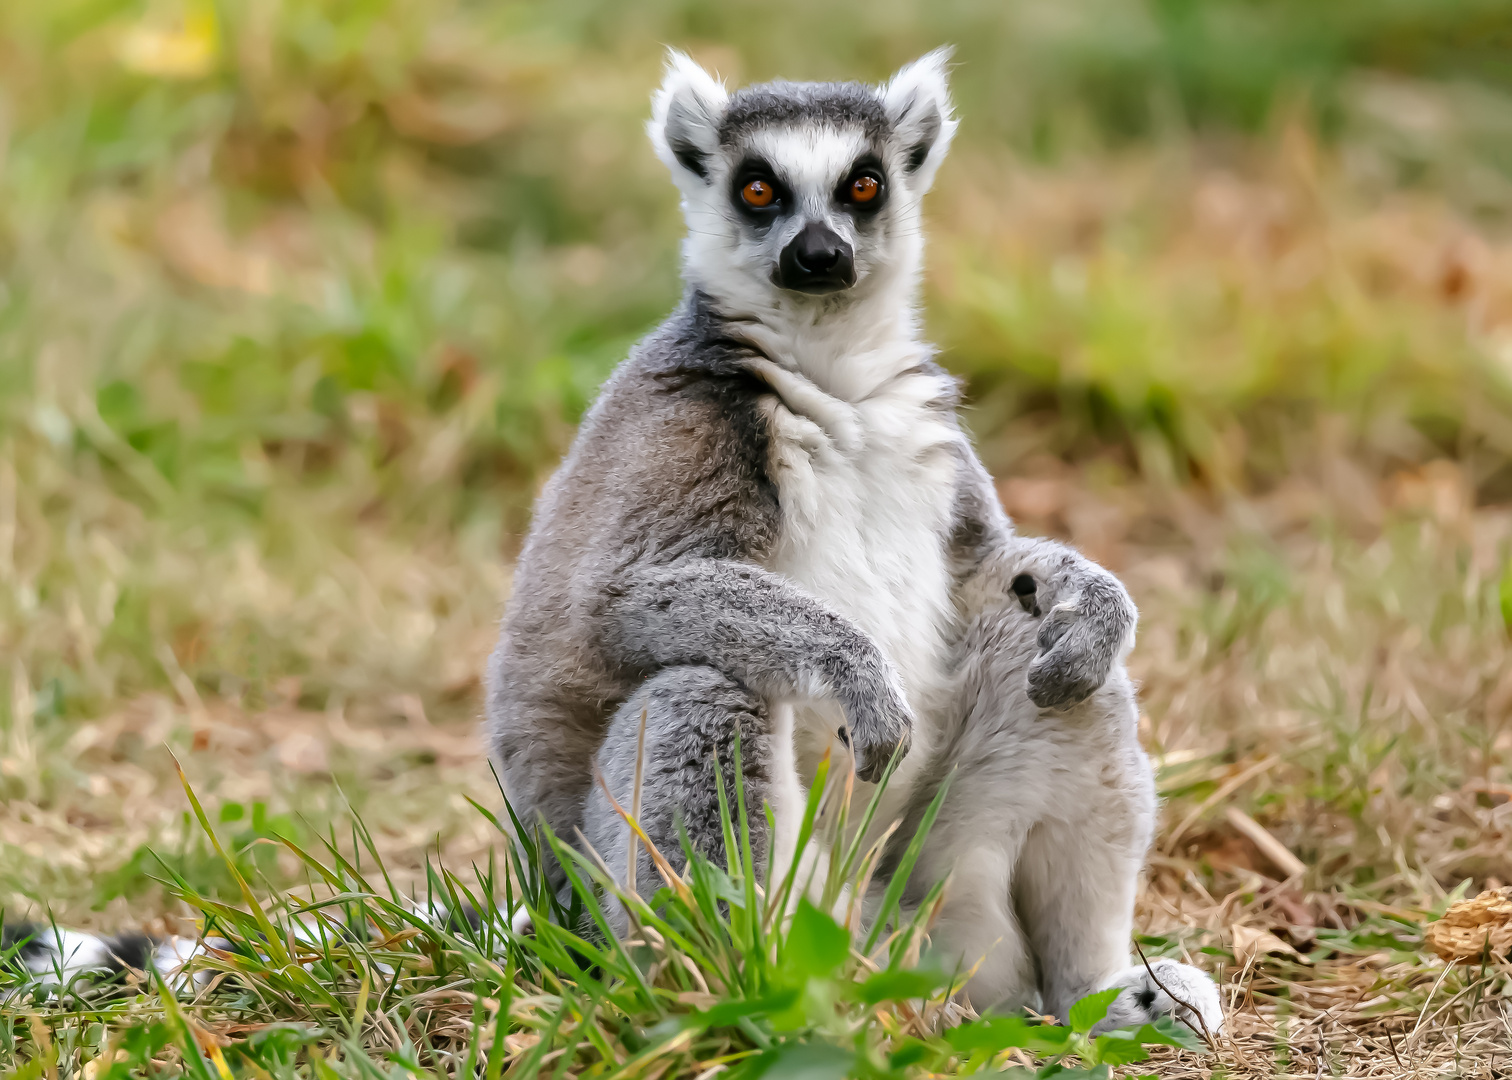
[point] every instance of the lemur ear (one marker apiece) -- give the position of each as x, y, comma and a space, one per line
917, 100
685, 115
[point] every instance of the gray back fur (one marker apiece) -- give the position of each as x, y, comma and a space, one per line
670, 462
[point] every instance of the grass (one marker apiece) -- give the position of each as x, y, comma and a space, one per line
299, 302
715, 975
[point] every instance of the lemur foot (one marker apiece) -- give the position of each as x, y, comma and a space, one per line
1174, 989
1088, 624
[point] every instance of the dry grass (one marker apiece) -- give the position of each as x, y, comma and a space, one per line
1326, 716
1323, 648
1265, 381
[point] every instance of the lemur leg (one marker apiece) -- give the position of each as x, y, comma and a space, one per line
691, 715
980, 928
1075, 886
1049, 738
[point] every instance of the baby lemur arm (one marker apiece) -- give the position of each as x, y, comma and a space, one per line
1088, 617
760, 629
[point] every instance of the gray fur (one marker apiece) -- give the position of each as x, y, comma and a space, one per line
785, 104
773, 638
1052, 801
692, 715
772, 524
1049, 814
645, 558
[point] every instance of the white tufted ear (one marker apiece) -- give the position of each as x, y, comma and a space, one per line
685, 115
917, 100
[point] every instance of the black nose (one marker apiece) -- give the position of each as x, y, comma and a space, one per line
816, 261
816, 250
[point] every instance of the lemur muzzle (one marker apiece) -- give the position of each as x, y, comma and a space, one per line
817, 260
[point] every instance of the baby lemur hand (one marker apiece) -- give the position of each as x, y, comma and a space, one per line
1088, 621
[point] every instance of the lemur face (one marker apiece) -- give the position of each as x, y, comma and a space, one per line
801, 189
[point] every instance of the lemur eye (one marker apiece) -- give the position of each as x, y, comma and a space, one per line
758, 193
864, 188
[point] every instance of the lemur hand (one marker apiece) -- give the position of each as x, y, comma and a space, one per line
880, 720
1088, 622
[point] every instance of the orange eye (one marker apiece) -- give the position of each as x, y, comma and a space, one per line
758, 193
863, 189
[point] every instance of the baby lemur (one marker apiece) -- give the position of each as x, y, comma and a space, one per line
773, 525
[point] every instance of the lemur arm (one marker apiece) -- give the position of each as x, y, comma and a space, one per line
1088, 617
764, 631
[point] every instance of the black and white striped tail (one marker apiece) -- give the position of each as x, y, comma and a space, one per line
49, 957
58, 957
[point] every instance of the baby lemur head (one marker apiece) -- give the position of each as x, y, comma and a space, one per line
802, 194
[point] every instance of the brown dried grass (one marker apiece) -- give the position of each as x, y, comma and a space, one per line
1322, 648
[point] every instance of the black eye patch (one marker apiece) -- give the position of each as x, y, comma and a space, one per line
863, 190
774, 196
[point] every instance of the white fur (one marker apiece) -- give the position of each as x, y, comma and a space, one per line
70, 954
690, 101
827, 338
863, 464
835, 341
786, 793
866, 490
915, 97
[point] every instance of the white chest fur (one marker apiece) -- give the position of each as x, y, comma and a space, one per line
866, 490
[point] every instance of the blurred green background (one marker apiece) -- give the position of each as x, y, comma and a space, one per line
300, 299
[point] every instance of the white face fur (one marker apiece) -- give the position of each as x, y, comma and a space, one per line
803, 197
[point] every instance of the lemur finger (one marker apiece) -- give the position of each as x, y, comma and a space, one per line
880, 723
872, 761
1058, 681
875, 705
871, 751
1060, 621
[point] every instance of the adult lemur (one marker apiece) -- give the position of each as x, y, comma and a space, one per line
772, 523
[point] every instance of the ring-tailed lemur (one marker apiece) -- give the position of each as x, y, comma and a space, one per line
772, 524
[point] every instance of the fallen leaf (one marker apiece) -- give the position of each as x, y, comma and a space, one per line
1251, 943
1471, 928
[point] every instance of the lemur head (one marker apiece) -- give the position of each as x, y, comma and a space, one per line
805, 193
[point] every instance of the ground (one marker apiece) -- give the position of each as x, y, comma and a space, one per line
299, 305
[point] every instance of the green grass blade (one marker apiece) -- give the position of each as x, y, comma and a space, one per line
899, 879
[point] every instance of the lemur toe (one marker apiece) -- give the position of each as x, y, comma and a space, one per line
1174, 989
